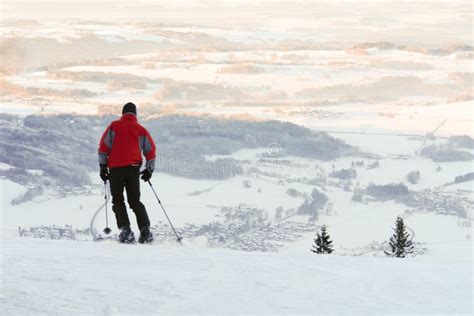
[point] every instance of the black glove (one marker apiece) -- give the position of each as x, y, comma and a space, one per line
146, 174
104, 173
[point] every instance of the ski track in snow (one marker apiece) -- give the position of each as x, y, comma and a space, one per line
83, 278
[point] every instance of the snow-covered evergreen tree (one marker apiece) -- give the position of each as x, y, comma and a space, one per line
400, 242
322, 243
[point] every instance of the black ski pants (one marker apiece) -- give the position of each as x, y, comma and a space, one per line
129, 178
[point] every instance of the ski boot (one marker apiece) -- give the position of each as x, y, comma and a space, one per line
126, 235
146, 235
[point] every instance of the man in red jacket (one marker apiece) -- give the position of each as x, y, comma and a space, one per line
120, 158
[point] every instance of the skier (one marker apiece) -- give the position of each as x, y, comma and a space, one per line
120, 158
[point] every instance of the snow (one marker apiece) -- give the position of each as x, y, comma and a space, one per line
59, 277
413, 119
66, 31
40, 80
4, 166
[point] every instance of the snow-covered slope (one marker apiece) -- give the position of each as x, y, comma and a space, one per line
42, 277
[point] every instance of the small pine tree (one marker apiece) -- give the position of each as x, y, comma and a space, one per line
400, 242
322, 243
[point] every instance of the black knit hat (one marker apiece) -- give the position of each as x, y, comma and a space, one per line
129, 108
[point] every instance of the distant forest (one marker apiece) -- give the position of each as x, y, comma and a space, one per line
64, 147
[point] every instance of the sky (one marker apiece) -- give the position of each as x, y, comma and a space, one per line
149, 9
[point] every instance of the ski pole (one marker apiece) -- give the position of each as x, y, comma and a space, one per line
107, 230
178, 237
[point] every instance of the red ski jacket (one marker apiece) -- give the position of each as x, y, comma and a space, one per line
123, 142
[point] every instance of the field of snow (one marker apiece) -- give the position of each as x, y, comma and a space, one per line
305, 70
44, 277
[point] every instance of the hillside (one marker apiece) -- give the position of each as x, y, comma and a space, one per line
62, 277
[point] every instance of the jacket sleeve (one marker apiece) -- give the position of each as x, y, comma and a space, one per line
105, 145
149, 150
